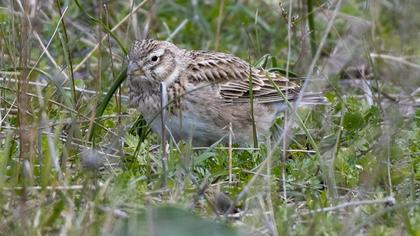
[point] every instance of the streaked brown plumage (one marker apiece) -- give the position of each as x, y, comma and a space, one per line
206, 92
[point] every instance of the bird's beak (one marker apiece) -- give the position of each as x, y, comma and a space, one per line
134, 69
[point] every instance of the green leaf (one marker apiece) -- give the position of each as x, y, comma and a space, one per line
171, 221
204, 156
55, 214
353, 121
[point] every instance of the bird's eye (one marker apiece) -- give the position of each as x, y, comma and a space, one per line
154, 58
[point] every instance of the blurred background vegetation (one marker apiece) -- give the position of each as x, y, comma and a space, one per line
74, 162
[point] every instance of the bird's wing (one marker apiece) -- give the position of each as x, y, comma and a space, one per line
232, 75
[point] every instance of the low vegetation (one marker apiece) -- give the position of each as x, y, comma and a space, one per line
75, 160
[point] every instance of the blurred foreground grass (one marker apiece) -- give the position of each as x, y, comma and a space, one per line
358, 172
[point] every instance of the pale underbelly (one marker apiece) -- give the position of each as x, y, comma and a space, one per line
205, 130
189, 127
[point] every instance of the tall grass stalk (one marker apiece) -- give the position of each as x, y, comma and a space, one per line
67, 52
251, 104
311, 24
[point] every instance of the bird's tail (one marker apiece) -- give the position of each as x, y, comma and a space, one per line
312, 98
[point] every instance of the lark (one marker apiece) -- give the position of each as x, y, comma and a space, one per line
209, 93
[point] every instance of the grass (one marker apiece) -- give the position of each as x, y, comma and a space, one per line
74, 159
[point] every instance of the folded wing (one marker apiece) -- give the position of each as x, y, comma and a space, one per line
233, 76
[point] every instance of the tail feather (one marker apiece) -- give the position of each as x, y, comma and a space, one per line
313, 98
308, 99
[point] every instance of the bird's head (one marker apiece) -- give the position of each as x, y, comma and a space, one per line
152, 60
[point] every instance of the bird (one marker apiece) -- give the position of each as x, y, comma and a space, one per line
208, 94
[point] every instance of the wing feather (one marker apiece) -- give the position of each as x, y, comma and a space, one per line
232, 75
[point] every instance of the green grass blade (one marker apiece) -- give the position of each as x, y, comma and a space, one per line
101, 108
